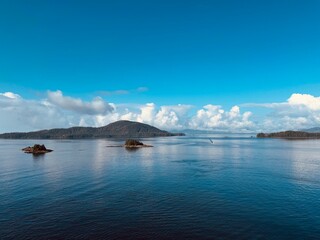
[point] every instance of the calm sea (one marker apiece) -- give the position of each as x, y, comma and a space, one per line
182, 188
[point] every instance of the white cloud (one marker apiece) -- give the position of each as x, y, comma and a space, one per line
18, 114
147, 113
96, 106
166, 117
172, 117
10, 95
300, 111
56, 110
215, 118
305, 100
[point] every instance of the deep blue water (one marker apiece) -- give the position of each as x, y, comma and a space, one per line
182, 188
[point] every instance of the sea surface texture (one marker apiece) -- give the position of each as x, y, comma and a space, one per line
183, 188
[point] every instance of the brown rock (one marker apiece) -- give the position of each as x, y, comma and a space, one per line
36, 149
132, 143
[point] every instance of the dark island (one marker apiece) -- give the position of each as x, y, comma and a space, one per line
119, 129
37, 149
290, 135
132, 143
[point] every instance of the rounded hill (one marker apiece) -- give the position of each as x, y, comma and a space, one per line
119, 129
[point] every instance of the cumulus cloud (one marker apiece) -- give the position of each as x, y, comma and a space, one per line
56, 110
147, 113
173, 116
96, 106
305, 100
214, 117
166, 117
18, 114
176, 117
300, 111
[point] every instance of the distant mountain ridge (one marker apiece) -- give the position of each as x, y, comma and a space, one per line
196, 132
311, 130
119, 129
290, 135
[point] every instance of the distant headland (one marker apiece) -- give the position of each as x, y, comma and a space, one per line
119, 129
291, 135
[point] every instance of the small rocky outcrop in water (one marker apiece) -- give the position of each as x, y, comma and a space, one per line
37, 149
132, 143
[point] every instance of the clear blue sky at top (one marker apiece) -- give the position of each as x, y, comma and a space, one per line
194, 52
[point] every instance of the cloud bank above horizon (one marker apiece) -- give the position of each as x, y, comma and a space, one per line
58, 111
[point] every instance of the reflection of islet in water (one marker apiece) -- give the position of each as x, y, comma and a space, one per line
37, 157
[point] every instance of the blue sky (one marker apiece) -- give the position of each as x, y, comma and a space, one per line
163, 52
